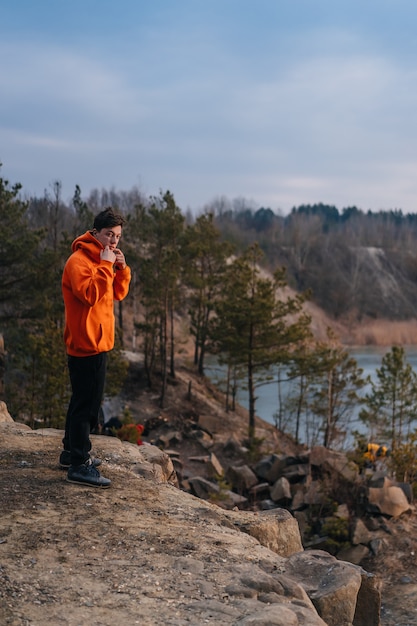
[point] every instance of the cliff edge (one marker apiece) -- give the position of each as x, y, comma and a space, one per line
144, 552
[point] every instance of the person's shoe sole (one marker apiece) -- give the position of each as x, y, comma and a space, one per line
85, 483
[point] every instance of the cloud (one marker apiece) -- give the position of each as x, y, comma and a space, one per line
304, 113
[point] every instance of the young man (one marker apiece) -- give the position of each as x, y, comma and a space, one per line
94, 276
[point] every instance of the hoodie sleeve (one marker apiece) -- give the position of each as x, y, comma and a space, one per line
121, 283
89, 283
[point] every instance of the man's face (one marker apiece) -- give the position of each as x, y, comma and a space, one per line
109, 236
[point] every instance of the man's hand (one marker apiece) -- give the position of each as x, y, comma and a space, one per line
107, 255
120, 259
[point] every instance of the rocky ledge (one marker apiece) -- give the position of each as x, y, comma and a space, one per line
146, 552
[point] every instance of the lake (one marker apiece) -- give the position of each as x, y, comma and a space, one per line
367, 358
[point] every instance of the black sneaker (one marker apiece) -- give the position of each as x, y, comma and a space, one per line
65, 460
87, 474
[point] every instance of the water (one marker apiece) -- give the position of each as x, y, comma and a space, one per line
368, 359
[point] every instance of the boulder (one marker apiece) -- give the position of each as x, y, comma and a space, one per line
334, 463
157, 462
4, 413
389, 500
353, 554
281, 490
269, 468
214, 467
296, 473
207, 490
335, 588
241, 477
275, 529
359, 533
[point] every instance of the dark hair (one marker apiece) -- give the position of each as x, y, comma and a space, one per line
107, 219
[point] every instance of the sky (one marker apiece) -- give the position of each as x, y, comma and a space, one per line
274, 103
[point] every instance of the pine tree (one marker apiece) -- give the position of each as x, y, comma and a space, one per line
204, 264
161, 228
255, 326
391, 404
335, 383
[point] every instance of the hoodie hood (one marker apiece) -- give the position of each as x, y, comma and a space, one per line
89, 244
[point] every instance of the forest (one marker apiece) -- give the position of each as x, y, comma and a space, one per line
221, 276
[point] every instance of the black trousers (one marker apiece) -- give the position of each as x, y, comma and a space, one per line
87, 376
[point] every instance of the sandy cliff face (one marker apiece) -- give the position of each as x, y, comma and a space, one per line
379, 332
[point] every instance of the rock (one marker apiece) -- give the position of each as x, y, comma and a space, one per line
203, 488
281, 490
359, 533
162, 468
297, 472
270, 468
408, 491
267, 505
211, 423
211, 491
334, 463
169, 437
389, 500
214, 467
298, 494
275, 529
342, 512
204, 438
241, 477
302, 520
291, 614
234, 447
294, 468
259, 489
332, 585
375, 545
353, 554
367, 612
4, 413
263, 467
315, 493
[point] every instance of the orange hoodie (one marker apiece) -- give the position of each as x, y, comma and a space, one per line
89, 287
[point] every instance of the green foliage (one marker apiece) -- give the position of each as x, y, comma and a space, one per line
37, 383
84, 215
255, 452
20, 250
221, 494
403, 460
390, 406
131, 433
336, 531
357, 454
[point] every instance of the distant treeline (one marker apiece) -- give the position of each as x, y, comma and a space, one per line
356, 264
